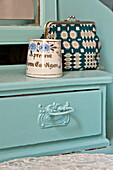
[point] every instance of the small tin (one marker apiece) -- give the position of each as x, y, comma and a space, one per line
44, 58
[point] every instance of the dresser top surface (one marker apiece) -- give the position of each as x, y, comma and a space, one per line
12, 77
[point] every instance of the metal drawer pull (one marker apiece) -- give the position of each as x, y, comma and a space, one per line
70, 110
54, 115
56, 109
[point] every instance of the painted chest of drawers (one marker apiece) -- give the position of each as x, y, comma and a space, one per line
51, 116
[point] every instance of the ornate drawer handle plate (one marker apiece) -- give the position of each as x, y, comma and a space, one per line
54, 115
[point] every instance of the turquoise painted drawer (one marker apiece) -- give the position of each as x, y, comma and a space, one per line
23, 122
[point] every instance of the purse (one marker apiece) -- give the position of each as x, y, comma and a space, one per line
80, 45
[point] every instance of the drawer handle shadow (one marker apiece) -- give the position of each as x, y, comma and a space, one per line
54, 115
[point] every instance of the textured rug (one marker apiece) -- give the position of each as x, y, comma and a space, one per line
62, 162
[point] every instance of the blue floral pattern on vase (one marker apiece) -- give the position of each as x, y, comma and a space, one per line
33, 46
45, 47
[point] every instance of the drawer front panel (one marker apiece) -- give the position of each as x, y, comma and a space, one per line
23, 120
